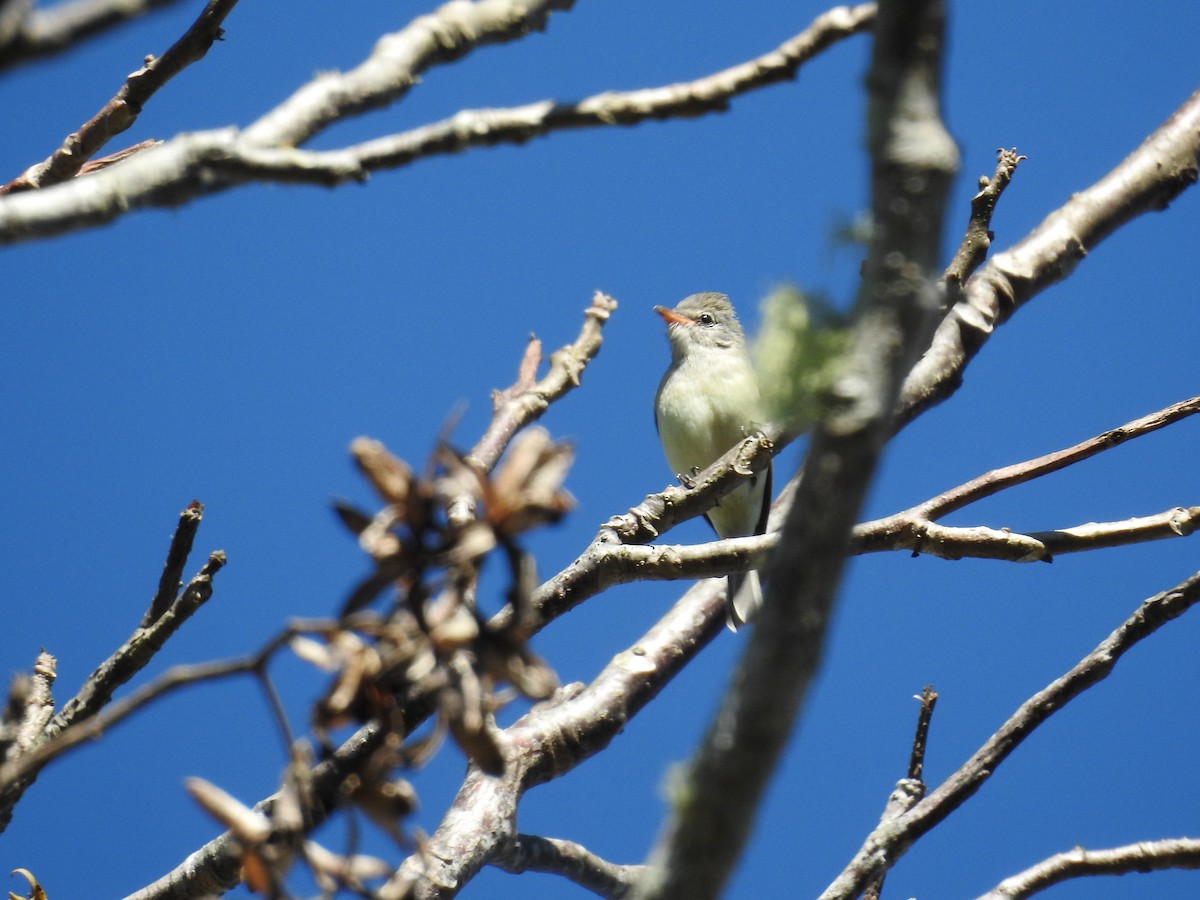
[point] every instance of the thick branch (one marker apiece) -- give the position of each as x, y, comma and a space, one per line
551, 740
194, 165
913, 160
1148, 179
396, 63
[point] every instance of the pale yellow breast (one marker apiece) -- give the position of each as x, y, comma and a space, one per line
705, 406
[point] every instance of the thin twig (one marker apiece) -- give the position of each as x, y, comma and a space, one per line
526, 400
122, 110
911, 788
45, 31
884, 846
1020, 473
978, 237
177, 557
132, 656
916, 762
1144, 856
115, 712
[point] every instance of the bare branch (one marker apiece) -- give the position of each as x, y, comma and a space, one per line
978, 542
915, 529
44, 32
177, 557
39, 740
529, 853
1019, 473
396, 63
122, 110
1144, 856
96, 725
551, 740
884, 846
712, 93
911, 788
28, 711
913, 160
1148, 179
132, 656
916, 762
978, 237
609, 560
526, 400
193, 165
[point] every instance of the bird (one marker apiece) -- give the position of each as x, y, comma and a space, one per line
707, 401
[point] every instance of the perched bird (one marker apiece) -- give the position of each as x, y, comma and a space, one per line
708, 401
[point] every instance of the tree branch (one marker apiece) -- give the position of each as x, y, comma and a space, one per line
1020, 473
973, 249
45, 32
20, 769
1144, 856
526, 400
395, 64
1148, 179
193, 165
551, 740
887, 843
132, 656
529, 853
913, 160
122, 110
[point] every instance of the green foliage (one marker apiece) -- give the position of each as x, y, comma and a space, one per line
796, 353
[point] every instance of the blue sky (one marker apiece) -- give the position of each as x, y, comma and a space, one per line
230, 350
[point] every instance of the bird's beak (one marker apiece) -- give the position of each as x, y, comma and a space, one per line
671, 317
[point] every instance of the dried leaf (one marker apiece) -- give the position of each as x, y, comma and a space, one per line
337, 870
35, 890
530, 674
258, 874
351, 516
527, 488
480, 746
320, 655
248, 825
378, 539
454, 628
369, 588
391, 477
385, 803
462, 705
418, 751
288, 811
473, 542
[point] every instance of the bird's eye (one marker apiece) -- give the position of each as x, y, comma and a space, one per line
706, 319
